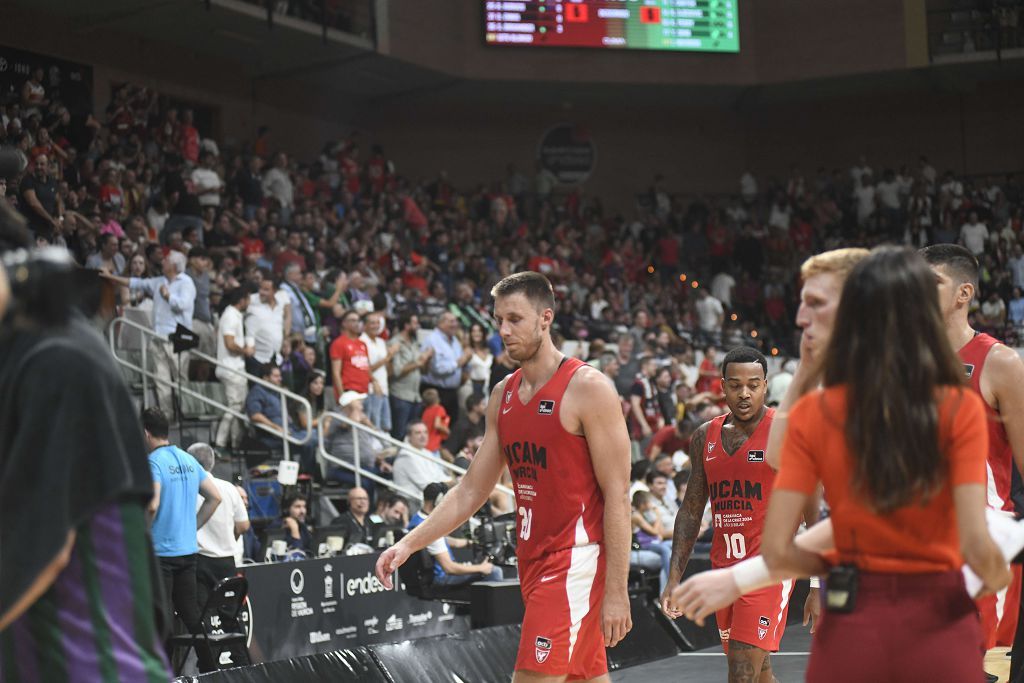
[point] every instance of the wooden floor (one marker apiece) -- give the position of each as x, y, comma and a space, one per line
996, 662
708, 666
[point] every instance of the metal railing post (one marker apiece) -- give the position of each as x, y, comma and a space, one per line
145, 373
356, 462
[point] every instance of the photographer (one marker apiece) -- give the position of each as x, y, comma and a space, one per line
73, 461
448, 572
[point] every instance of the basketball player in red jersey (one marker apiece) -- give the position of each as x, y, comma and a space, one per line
557, 424
996, 372
728, 459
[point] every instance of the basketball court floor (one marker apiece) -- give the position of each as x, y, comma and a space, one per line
789, 664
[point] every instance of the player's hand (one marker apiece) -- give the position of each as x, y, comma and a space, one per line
668, 606
812, 608
704, 594
616, 621
389, 561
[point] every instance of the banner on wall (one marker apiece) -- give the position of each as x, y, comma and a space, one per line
568, 152
301, 608
70, 82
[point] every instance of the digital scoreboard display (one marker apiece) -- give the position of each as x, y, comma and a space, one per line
685, 25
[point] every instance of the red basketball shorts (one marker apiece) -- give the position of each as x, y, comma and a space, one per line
562, 635
999, 613
757, 619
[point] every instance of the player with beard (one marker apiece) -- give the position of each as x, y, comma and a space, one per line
729, 466
557, 424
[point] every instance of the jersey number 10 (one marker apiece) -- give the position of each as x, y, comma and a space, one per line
735, 547
526, 514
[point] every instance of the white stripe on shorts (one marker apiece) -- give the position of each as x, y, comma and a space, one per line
579, 581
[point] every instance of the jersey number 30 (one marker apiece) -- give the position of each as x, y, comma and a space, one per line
526, 514
735, 546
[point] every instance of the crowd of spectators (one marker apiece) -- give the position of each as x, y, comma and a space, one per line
360, 288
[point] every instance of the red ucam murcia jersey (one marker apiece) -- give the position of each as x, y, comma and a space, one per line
739, 486
558, 501
1000, 455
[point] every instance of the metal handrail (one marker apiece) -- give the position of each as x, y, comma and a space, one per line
357, 469
286, 395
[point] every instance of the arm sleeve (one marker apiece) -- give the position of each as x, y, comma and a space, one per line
183, 295
968, 439
252, 404
798, 469
145, 286
240, 514
437, 548
157, 471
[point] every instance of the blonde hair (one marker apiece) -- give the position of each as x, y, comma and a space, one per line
838, 261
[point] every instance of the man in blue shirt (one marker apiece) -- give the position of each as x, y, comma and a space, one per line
177, 479
264, 407
444, 371
174, 302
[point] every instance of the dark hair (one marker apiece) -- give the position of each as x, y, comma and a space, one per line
891, 416
267, 368
744, 354
534, 286
959, 262
403, 318
655, 474
288, 501
234, 295
431, 492
639, 470
155, 422
473, 400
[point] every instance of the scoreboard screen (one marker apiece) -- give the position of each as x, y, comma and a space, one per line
685, 25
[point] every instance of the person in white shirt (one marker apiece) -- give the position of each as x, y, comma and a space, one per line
278, 184
864, 193
232, 349
710, 315
413, 473
378, 405
974, 234
264, 322
207, 183
218, 538
174, 301
722, 285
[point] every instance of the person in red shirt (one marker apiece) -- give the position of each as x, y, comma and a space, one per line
291, 253
899, 442
729, 468
710, 379
436, 418
557, 427
669, 439
350, 361
188, 137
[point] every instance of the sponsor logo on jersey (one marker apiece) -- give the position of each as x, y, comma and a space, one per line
546, 408
525, 459
711, 447
762, 627
542, 648
755, 456
735, 495
718, 521
724, 634
508, 396
969, 368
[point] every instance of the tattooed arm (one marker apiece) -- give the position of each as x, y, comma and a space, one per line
687, 526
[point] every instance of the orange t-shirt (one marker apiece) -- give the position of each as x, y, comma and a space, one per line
914, 539
430, 415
